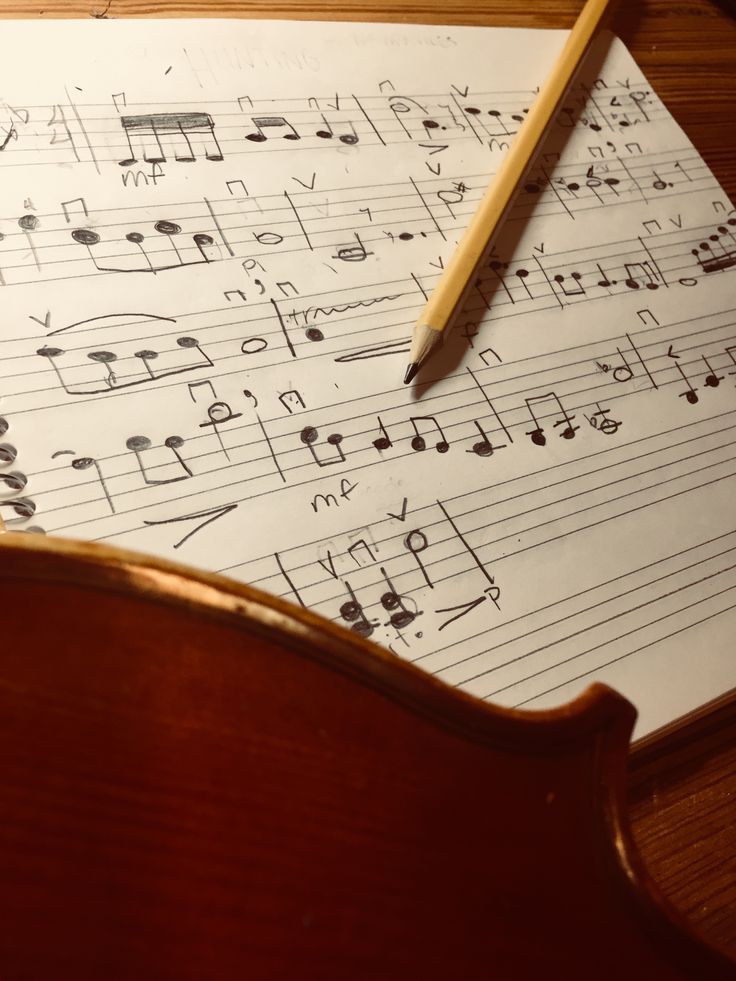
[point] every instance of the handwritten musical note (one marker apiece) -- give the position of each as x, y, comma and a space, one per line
282, 243
310, 438
263, 124
76, 379
186, 127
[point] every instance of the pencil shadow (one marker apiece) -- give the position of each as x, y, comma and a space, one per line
469, 332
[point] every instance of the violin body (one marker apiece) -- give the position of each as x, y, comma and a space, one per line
200, 781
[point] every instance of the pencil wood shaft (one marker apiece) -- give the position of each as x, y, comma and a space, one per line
455, 282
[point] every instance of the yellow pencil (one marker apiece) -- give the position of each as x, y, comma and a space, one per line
455, 282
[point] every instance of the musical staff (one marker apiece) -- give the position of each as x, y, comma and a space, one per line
583, 383
204, 300
93, 133
217, 229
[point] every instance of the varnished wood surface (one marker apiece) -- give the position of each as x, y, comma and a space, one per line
200, 781
683, 787
682, 793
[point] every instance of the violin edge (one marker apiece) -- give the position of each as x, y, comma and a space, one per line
111, 567
599, 714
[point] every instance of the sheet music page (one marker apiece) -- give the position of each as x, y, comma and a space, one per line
215, 238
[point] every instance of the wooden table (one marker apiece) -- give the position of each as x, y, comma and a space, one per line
683, 782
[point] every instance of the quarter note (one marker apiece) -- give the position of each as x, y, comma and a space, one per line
354, 616
409, 109
604, 281
497, 118
522, 275
83, 463
690, 393
28, 224
327, 133
382, 442
712, 380
393, 603
483, 447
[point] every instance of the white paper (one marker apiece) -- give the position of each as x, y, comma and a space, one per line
216, 237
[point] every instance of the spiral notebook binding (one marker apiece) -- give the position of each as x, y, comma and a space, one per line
15, 510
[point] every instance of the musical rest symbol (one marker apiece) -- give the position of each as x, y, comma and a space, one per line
572, 187
262, 123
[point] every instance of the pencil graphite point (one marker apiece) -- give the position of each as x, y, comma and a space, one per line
457, 278
411, 372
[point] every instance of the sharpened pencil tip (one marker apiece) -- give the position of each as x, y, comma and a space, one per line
411, 372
